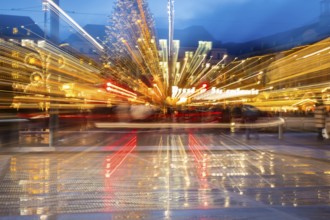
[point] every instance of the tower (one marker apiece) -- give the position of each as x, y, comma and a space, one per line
170, 25
171, 64
54, 24
53, 33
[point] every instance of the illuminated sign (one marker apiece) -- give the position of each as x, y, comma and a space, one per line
211, 94
216, 94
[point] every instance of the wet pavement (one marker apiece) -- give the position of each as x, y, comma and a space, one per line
166, 174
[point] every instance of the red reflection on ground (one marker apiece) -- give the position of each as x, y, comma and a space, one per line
200, 157
113, 162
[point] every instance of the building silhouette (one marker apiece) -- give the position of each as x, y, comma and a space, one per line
19, 27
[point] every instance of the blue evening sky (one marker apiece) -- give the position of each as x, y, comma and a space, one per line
226, 20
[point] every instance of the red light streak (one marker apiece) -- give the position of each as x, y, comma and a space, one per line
115, 160
201, 162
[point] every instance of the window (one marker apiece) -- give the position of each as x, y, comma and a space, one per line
15, 30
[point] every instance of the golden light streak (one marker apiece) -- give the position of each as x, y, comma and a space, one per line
75, 25
134, 59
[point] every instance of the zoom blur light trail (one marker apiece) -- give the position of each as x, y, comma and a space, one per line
201, 159
117, 89
114, 161
56, 9
133, 57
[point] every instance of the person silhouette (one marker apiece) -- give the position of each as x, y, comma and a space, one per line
9, 129
319, 118
250, 116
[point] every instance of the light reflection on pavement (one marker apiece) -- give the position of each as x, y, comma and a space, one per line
179, 177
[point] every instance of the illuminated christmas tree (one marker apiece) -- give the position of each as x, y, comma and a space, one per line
131, 54
134, 58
